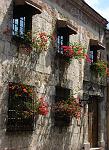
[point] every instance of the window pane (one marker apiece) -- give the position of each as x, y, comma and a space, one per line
15, 27
16, 21
91, 55
22, 26
60, 43
22, 32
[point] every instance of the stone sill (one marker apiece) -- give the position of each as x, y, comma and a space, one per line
98, 148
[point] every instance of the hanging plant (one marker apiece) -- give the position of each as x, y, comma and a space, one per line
100, 67
26, 105
38, 107
70, 107
39, 41
76, 51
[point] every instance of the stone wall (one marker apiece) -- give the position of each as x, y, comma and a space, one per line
43, 72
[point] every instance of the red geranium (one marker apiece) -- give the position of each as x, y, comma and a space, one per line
38, 107
43, 107
77, 51
70, 107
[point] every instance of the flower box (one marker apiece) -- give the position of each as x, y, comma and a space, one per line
74, 50
64, 110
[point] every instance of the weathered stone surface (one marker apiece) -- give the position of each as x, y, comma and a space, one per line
43, 71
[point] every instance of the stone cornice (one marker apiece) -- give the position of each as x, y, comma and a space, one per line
89, 11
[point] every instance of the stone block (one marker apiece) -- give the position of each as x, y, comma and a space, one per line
2, 45
7, 48
86, 146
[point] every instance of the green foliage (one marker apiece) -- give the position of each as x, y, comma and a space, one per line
100, 67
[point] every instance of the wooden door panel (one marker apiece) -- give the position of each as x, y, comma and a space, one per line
93, 123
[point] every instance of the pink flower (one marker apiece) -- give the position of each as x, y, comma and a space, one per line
24, 90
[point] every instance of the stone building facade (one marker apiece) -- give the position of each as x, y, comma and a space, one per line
46, 71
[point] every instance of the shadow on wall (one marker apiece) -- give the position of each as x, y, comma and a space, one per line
53, 138
19, 67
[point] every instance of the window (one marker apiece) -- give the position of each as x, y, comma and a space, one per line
22, 16
61, 93
61, 119
19, 118
93, 55
62, 39
64, 30
22, 23
95, 50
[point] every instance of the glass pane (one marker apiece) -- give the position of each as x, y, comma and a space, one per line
21, 23
15, 27
61, 40
22, 26
91, 55
22, 18
60, 43
16, 21
22, 31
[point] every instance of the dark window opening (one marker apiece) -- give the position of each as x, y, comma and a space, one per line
61, 119
93, 56
96, 49
62, 39
64, 29
18, 113
22, 23
61, 93
22, 17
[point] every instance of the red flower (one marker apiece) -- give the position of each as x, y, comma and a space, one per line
43, 107
69, 107
24, 90
43, 110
